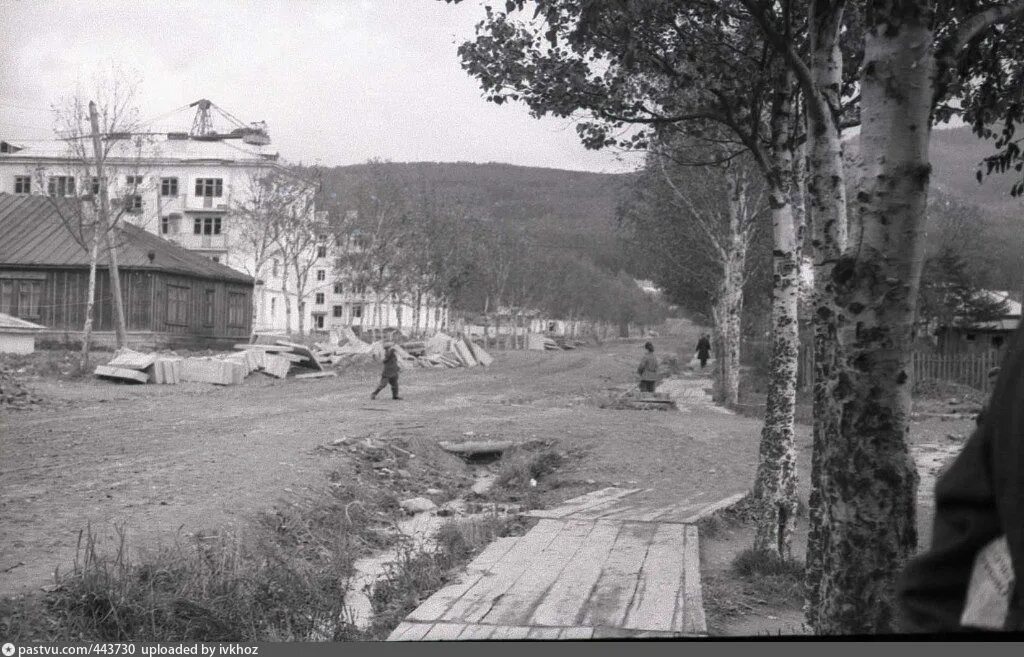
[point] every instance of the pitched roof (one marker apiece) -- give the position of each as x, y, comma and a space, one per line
9, 323
34, 236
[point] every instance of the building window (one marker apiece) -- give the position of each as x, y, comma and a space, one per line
321, 251
338, 311
168, 187
177, 304
321, 275
133, 181
318, 321
170, 225
273, 306
206, 226
61, 186
437, 314
359, 288
94, 185
209, 186
357, 311
21, 298
208, 305
133, 202
339, 288
236, 309
319, 298
22, 184
273, 271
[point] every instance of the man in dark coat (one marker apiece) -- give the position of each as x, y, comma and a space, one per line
979, 499
390, 373
648, 369
703, 350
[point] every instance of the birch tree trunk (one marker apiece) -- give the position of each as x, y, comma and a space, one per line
828, 227
775, 484
287, 297
868, 479
120, 326
94, 251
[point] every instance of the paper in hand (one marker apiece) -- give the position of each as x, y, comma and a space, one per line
990, 588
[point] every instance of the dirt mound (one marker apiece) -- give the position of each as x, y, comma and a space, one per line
13, 393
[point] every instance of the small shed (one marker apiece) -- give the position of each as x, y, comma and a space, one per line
17, 336
172, 297
980, 337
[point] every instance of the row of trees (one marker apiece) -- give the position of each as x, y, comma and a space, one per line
780, 81
404, 241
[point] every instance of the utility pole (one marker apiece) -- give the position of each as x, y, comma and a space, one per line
120, 329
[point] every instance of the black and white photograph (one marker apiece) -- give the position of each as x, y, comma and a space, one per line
336, 321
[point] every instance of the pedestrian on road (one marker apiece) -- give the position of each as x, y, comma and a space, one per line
390, 373
970, 578
648, 369
703, 350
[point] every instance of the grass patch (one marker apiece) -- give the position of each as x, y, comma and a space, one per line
417, 574
775, 580
283, 580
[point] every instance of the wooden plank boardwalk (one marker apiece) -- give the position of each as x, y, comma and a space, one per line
599, 566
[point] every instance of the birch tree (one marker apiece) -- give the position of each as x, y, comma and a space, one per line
296, 234
100, 147
644, 64
257, 212
694, 223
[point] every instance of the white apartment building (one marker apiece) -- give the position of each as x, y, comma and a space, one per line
190, 190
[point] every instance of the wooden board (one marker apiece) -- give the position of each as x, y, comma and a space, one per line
476, 447
479, 354
464, 354
121, 374
692, 620
715, 506
308, 358
276, 366
597, 498
316, 375
132, 360
656, 604
612, 594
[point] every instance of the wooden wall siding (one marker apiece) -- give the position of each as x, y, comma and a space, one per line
145, 298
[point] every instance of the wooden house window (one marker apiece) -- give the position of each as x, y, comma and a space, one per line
177, 304
236, 309
209, 298
22, 184
61, 186
21, 298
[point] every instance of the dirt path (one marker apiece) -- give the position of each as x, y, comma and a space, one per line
164, 460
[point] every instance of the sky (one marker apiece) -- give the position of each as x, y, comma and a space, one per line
338, 82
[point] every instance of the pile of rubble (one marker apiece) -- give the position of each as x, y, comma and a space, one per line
276, 360
280, 359
439, 351
539, 342
12, 393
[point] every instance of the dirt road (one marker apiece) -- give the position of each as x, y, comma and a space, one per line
164, 460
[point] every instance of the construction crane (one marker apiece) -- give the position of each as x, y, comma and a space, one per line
202, 126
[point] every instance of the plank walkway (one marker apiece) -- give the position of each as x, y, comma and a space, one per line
614, 563
600, 566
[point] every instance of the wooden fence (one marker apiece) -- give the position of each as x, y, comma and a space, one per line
966, 369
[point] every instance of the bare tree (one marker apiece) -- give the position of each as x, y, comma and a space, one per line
100, 144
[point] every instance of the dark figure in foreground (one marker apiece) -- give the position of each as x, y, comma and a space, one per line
703, 350
979, 507
390, 373
648, 369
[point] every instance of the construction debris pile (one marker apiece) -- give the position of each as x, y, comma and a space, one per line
538, 342
281, 358
439, 351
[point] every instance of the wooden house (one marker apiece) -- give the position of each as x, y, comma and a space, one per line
966, 337
172, 297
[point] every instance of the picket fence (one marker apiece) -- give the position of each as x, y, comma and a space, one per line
966, 369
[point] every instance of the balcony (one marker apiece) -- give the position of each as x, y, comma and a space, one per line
202, 242
194, 203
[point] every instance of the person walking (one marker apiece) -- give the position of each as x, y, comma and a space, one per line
648, 369
703, 350
390, 373
970, 577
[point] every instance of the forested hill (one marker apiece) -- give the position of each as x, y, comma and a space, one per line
576, 201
